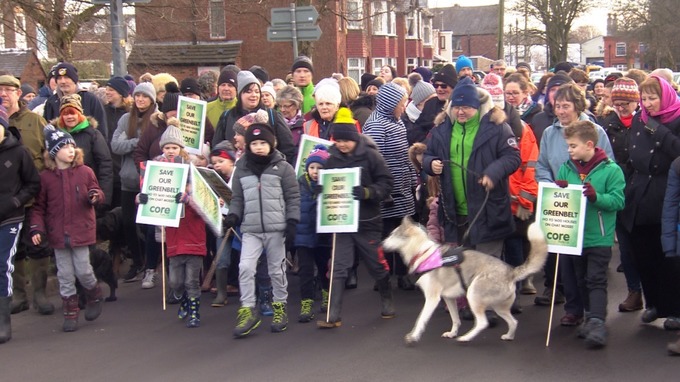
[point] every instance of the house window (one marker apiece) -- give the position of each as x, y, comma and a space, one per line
456, 44
411, 63
355, 14
642, 48
378, 64
20, 31
427, 63
355, 68
427, 31
620, 49
2, 35
412, 24
442, 42
218, 28
41, 36
384, 18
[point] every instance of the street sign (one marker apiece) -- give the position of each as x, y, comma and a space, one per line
304, 33
303, 15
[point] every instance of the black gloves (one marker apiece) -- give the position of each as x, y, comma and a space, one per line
361, 193
317, 189
142, 198
231, 221
291, 229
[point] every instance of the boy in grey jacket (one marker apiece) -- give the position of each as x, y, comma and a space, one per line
266, 203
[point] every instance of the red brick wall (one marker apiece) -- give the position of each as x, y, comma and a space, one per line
480, 45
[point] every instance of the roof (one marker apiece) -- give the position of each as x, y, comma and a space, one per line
14, 61
463, 21
185, 54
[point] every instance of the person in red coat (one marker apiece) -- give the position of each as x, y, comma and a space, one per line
64, 215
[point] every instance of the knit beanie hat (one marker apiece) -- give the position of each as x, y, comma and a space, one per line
625, 89
269, 89
147, 89
319, 154
523, 65
377, 82
27, 89
302, 62
244, 79
4, 118
190, 85
424, 72
494, 85
447, 75
559, 79
344, 126
243, 123
172, 135
227, 76
72, 100
563, 66
465, 94
66, 69
463, 62
120, 85
170, 101
260, 131
224, 149
420, 91
328, 90
612, 77
259, 73
160, 79
365, 79
56, 139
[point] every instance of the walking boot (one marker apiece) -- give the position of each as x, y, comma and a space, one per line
93, 307
248, 320
333, 319
351, 281
280, 320
306, 313
386, 302
71, 313
324, 301
194, 320
265, 302
5, 320
19, 300
632, 303
39, 282
528, 286
221, 285
183, 310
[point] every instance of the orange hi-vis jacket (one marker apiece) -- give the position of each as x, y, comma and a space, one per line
523, 186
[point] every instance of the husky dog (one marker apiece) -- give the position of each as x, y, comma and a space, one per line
487, 282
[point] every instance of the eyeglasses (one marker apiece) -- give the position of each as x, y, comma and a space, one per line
440, 85
466, 109
7, 90
621, 105
289, 106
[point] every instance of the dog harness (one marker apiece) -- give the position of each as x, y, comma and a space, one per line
432, 258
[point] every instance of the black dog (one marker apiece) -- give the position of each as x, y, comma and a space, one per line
103, 270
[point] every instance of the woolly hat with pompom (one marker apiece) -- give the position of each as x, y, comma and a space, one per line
160, 79
494, 85
172, 135
319, 154
344, 126
420, 90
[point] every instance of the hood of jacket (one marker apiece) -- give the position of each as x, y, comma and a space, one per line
93, 122
496, 114
387, 99
9, 142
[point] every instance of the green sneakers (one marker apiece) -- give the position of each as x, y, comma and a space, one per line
306, 314
324, 301
248, 320
280, 320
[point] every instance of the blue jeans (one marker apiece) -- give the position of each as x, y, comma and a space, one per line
9, 238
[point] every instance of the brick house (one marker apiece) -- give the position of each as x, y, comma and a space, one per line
474, 29
357, 36
24, 65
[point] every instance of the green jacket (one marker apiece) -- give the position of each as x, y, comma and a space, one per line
216, 108
308, 101
608, 181
30, 126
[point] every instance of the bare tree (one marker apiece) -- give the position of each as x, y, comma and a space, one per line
557, 18
584, 33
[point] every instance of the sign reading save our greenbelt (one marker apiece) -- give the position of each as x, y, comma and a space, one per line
561, 213
206, 201
162, 182
337, 211
307, 143
191, 114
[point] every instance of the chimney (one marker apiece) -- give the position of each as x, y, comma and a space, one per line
612, 24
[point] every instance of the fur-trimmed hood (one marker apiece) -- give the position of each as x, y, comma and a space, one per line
497, 115
93, 122
158, 119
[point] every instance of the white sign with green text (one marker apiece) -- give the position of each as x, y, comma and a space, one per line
337, 211
162, 182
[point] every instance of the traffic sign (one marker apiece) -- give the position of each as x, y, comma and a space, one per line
303, 15
285, 33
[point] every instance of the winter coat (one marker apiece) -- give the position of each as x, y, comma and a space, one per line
189, 237
523, 185
542, 120
20, 180
216, 108
30, 126
494, 154
434, 229
123, 146
375, 175
148, 146
389, 134
432, 108
265, 203
43, 94
97, 155
113, 115
529, 115
553, 150
619, 138
362, 108
284, 138
92, 107
670, 214
62, 210
608, 181
306, 235
651, 156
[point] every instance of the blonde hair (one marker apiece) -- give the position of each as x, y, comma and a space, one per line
349, 90
403, 82
51, 163
413, 151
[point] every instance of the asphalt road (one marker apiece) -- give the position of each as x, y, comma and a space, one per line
135, 340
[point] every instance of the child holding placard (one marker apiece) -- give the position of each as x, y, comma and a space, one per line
603, 185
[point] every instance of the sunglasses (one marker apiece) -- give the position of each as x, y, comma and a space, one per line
440, 85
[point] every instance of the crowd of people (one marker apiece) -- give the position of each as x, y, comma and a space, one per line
459, 154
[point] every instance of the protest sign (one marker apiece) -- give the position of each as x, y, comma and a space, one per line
206, 201
307, 143
337, 211
162, 182
561, 213
191, 114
